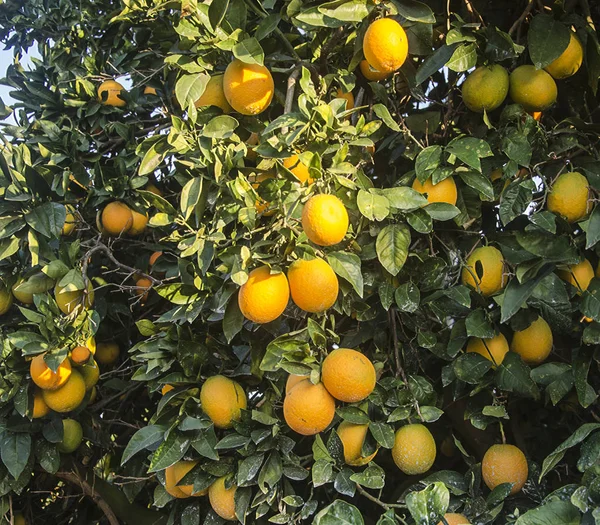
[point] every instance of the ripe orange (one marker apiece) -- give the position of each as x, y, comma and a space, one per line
74, 301
414, 449
153, 189
298, 169
385, 45
313, 285
166, 389
40, 408
570, 196
493, 349
174, 474
213, 95
70, 221
222, 500
569, 62
264, 296
44, 377
484, 271
80, 355
353, 436
533, 344
107, 353
578, 275
292, 381
69, 396
348, 375
248, 88
533, 88
371, 74
149, 90
112, 89
455, 519
443, 191
348, 97
262, 206
117, 218
6, 299
504, 464
139, 222
222, 400
308, 409
325, 220
143, 286
153, 258
486, 88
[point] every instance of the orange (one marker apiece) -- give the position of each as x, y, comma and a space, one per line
443, 191
353, 436
298, 169
414, 449
348, 375
264, 296
149, 90
72, 436
139, 222
70, 221
533, 88
222, 400
117, 218
504, 464
21, 296
69, 396
493, 349
80, 355
153, 189
371, 74
248, 88
6, 299
325, 220
570, 196
385, 45
166, 389
213, 95
455, 519
486, 88
569, 62
153, 258
40, 408
44, 377
533, 344
74, 301
90, 373
292, 381
313, 285
174, 474
348, 97
308, 409
143, 286
107, 353
112, 89
222, 500
262, 206
579, 275
484, 271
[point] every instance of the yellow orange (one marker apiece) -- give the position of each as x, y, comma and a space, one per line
153, 258
486, 88
80, 355
348, 375
347, 96
308, 409
149, 90
292, 381
248, 88
152, 188
222, 500
570, 196
69, 396
166, 389
90, 373
264, 296
214, 95
21, 296
484, 271
6, 299
174, 474
533, 88
385, 45
40, 408
533, 344
222, 400
117, 218
579, 275
262, 206
493, 349
138, 224
414, 449
569, 62
504, 464
44, 377
313, 285
352, 437
70, 221
455, 519
142, 288
443, 191
298, 169
74, 301
107, 353
325, 220
112, 89
371, 74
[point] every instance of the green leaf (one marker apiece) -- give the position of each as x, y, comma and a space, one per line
592, 231
441, 211
169, 452
514, 376
383, 434
547, 39
551, 513
145, 437
407, 297
392, 246
517, 147
373, 477
470, 150
479, 325
431, 414
339, 513
216, 12
348, 11
384, 114
48, 456
153, 157
267, 25
372, 206
249, 51
8, 247
233, 320
463, 58
590, 306
190, 196
221, 127
415, 11
428, 160
434, 63
15, 448
348, 267
190, 88
428, 505
479, 183
343, 484
471, 367
48, 219
322, 472
516, 294
403, 198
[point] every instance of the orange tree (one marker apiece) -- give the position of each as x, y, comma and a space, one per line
300, 261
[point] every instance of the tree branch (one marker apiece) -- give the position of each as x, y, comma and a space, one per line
523, 16
289, 96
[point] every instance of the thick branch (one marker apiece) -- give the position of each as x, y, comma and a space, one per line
289, 96
523, 16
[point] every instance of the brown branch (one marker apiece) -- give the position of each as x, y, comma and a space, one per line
474, 13
523, 16
89, 491
289, 96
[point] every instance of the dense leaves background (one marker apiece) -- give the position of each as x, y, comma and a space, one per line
401, 300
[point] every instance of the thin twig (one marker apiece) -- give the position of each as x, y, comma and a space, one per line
289, 96
588, 14
474, 12
89, 491
523, 16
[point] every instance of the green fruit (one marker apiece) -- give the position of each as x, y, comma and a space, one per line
72, 436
